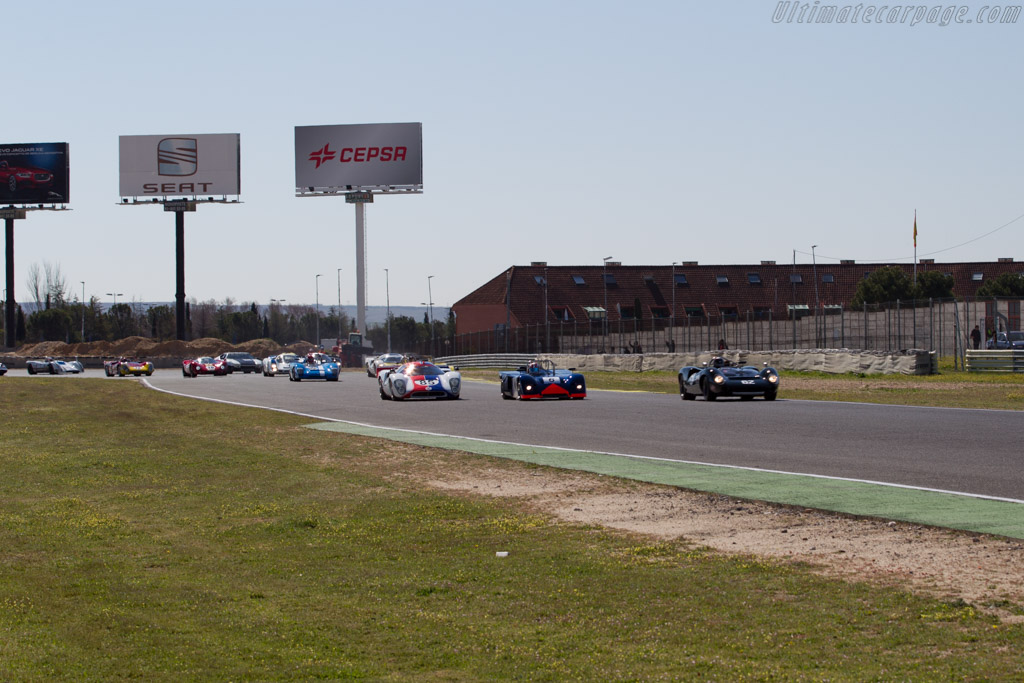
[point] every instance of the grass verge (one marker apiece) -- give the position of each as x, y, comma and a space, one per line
151, 536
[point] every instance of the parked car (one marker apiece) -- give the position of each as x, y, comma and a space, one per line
315, 366
204, 365
240, 361
279, 364
721, 378
1006, 340
122, 367
52, 366
540, 379
419, 379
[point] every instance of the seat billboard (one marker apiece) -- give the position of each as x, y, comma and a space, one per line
161, 166
359, 157
34, 173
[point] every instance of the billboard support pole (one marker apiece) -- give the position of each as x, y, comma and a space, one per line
179, 288
9, 306
361, 266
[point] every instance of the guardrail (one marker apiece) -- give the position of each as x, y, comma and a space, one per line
488, 360
985, 360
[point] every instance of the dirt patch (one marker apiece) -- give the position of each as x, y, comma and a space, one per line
140, 347
984, 571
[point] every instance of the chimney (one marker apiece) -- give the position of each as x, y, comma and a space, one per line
767, 263
1006, 259
846, 261
538, 264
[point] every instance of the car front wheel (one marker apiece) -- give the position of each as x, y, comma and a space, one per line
708, 394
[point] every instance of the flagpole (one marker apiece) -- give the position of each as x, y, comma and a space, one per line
915, 247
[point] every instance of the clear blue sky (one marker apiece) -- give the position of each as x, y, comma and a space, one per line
553, 131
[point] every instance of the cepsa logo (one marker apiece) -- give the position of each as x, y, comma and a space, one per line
357, 154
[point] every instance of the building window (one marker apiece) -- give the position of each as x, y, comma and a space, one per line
694, 312
681, 280
578, 280
540, 280
796, 278
660, 312
798, 311
978, 277
648, 279
627, 312
561, 313
722, 280
595, 312
729, 312
828, 278
609, 280
754, 278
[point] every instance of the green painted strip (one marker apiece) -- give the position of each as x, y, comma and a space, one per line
932, 508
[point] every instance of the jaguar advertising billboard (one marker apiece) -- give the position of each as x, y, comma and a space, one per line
365, 156
160, 166
34, 173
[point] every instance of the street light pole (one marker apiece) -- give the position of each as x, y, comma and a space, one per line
547, 323
387, 294
672, 315
115, 296
430, 304
339, 306
317, 342
83, 309
604, 281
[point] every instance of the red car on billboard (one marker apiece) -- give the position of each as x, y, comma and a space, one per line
24, 177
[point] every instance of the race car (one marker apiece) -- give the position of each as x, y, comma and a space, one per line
419, 379
385, 361
51, 366
314, 366
540, 379
279, 364
240, 361
122, 367
721, 378
390, 359
3, 369
204, 365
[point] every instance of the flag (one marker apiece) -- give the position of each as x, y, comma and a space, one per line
915, 230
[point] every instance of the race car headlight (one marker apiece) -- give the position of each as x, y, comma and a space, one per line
399, 385
719, 379
529, 387
579, 387
455, 383
773, 378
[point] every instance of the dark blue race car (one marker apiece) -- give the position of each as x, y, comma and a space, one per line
722, 378
540, 379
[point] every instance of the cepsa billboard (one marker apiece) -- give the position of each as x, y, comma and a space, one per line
180, 165
35, 173
364, 156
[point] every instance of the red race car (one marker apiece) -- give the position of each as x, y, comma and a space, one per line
204, 365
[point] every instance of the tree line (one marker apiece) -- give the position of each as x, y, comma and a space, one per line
61, 315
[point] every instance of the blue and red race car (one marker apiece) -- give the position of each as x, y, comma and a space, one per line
419, 379
540, 379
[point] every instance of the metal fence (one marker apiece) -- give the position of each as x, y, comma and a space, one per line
941, 326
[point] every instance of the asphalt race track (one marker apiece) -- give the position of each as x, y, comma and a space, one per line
966, 451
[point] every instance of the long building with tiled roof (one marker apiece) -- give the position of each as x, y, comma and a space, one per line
523, 295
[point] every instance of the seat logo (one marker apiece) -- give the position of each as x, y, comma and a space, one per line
177, 156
